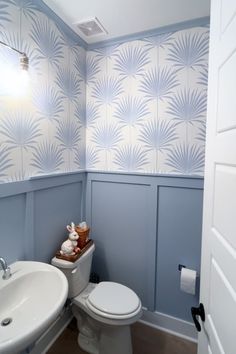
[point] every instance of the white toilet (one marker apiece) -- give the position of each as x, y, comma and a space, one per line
103, 311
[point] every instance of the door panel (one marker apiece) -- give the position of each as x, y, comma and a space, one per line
223, 316
224, 205
226, 118
228, 9
218, 275
225, 255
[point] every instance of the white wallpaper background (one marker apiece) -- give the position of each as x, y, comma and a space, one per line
135, 107
44, 132
146, 104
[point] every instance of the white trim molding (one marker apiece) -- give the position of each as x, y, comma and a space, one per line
170, 325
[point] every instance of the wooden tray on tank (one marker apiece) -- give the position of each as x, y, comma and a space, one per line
73, 258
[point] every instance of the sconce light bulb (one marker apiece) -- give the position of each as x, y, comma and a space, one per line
24, 62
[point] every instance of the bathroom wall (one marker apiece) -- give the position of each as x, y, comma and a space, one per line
146, 104
146, 110
144, 226
146, 116
44, 130
34, 215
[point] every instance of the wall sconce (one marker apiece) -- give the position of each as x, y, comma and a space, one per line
16, 84
24, 60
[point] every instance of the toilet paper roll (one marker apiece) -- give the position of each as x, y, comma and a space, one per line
188, 280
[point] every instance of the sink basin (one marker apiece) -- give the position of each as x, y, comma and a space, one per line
31, 299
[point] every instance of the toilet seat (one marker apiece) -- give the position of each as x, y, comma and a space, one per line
114, 301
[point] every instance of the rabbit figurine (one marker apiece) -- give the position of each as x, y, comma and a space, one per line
69, 247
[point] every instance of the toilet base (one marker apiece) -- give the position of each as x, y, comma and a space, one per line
88, 345
116, 341
100, 338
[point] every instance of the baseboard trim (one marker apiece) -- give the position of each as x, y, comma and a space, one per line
42, 345
169, 324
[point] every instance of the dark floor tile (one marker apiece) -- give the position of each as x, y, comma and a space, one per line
146, 340
67, 342
149, 340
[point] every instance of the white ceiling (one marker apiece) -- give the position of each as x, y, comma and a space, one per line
125, 17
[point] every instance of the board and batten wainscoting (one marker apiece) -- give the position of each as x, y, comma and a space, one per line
34, 215
144, 226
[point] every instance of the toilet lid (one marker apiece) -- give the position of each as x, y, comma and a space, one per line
113, 299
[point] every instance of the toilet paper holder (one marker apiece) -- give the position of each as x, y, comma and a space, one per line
180, 266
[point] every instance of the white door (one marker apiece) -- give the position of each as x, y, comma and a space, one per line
218, 269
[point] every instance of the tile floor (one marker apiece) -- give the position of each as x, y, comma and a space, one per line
146, 340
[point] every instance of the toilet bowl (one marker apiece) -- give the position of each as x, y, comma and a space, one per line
104, 311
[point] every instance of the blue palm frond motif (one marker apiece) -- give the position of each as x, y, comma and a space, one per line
88, 68
27, 7
91, 157
18, 176
92, 113
188, 106
158, 83
68, 83
203, 77
106, 136
92, 69
106, 52
131, 61
80, 65
130, 110
201, 136
21, 130
48, 102
186, 159
68, 134
80, 157
106, 90
49, 42
188, 50
158, 135
130, 158
80, 112
47, 158
158, 41
5, 160
4, 14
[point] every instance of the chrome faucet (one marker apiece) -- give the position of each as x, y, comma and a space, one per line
5, 268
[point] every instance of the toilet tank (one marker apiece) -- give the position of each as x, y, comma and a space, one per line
77, 273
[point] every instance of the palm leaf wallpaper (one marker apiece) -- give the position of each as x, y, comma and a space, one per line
153, 90
131, 61
188, 106
40, 133
139, 106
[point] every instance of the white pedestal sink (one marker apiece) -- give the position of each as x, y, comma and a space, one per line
30, 300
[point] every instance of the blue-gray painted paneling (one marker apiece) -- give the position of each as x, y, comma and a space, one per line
119, 228
12, 223
34, 213
179, 242
143, 227
54, 208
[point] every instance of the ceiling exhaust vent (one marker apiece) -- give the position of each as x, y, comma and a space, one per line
91, 27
